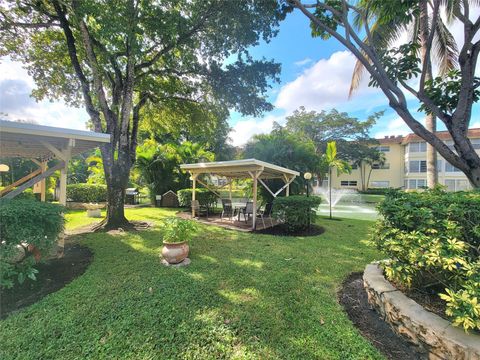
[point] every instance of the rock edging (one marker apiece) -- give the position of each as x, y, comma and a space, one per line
436, 335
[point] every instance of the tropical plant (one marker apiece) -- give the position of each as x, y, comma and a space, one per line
331, 161
432, 240
176, 230
124, 57
31, 227
444, 54
366, 160
393, 69
283, 148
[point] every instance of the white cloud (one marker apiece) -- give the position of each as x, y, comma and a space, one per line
303, 62
326, 84
15, 101
394, 127
243, 130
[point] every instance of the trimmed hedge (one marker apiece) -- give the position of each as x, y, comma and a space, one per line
296, 212
432, 241
87, 193
204, 197
31, 222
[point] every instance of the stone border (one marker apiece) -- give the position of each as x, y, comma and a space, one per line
436, 335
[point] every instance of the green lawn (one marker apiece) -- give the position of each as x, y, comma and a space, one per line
243, 297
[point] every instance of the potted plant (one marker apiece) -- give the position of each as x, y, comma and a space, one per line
176, 233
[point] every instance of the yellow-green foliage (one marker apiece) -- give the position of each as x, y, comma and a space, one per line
432, 239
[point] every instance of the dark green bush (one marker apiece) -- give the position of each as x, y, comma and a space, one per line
432, 239
26, 222
204, 197
296, 212
87, 193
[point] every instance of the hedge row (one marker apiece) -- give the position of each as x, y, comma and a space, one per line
432, 241
296, 212
204, 197
87, 193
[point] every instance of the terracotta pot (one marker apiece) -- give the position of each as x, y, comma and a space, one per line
175, 253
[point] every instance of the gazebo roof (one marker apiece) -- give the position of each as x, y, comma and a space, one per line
241, 169
28, 140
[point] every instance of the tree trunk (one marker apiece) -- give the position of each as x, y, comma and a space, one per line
432, 171
117, 172
430, 121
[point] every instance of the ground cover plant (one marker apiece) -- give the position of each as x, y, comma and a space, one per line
432, 241
244, 296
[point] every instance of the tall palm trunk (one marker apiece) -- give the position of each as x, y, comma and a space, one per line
430, 120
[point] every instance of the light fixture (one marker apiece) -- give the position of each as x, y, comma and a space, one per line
4, 167
307, 176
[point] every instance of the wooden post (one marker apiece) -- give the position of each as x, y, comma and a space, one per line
254, 215
230, 189
194, 185
287, 190
43, 183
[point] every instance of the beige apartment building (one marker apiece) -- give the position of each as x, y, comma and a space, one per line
406, 165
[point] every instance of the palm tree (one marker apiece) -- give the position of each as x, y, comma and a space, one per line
384, 34
368, 158
331, 160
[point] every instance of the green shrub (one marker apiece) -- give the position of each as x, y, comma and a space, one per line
204, 197
176, 230
296, 212
377, 191
432, 239
26, 222
87, 193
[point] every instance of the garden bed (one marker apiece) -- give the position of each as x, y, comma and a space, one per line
353, 298
434, 334
281, 230
53, 275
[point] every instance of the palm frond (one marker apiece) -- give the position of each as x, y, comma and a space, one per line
444, 48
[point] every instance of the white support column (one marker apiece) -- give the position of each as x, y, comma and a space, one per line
230, 190
287, 190
194, 186
43, 183
254, 215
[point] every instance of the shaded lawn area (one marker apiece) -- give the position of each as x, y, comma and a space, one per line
244, 296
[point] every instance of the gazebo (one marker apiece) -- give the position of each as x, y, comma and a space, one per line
40, 144
257, 170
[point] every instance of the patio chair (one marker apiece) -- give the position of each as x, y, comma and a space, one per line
227, 209
266, 214
199, 209
246, 211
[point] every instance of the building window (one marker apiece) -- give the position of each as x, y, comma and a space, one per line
415, 183
456, 184
475, 143
380, 184
348, 183
383, 148
450, 168
449, 143
417, 166
439, 166
385, 166
415, 147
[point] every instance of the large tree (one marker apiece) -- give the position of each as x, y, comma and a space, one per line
449, 98
349, 133
115, 57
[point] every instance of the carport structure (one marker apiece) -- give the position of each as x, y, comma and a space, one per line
41, 144
257, 170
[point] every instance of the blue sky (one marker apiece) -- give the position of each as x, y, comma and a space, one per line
315, 74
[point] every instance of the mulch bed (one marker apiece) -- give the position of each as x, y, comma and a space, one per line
53, 275
353, 298
280, 230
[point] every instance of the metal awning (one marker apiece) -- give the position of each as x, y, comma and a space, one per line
240, 169
39, 142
